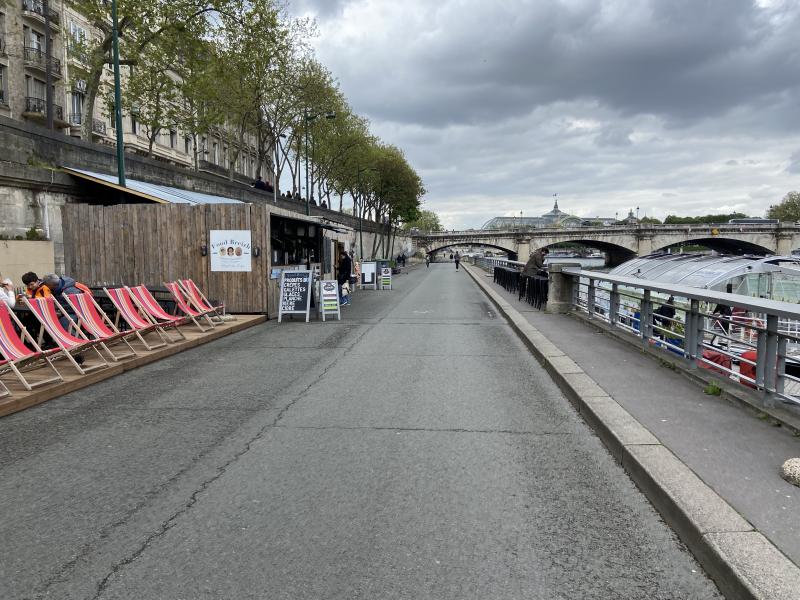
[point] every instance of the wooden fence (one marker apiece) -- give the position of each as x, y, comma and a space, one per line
144, 243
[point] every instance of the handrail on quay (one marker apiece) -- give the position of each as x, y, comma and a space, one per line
754, 341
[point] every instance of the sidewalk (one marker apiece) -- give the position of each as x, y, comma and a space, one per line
736, 454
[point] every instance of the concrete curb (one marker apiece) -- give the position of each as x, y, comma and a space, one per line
744, 564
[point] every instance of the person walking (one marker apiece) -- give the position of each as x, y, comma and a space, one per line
427, 261
345, 267
457, 259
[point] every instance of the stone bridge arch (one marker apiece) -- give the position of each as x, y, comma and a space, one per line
512, 254
616, 252
726, 244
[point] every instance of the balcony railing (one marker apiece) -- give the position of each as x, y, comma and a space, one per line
36, 59
36, 7
75, 119
39, 106
98, 126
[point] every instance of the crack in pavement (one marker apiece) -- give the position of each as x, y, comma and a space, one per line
423, 429
204, 485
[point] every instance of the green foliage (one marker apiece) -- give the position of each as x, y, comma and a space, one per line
707, 219
33, 235
427, 220
788, 209
712, 389
650, 221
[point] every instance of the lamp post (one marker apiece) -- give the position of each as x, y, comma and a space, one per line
308, 119
117, 95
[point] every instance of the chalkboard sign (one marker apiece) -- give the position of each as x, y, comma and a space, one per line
295, 294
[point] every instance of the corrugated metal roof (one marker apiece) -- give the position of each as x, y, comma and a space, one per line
152, 191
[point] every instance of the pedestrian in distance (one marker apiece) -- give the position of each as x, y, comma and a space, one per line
259, 184
345, 267
457, 259
428, 261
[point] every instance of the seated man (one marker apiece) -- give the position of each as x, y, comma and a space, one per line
34, 287
259, 184
7, 294
59, 286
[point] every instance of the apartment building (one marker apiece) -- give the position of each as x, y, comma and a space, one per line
23, 74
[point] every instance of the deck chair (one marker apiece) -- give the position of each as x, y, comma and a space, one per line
96, 323
16, 357
147, 303
139, 322
47, 310
183, 304
199, 300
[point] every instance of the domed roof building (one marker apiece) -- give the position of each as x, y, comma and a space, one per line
554, 218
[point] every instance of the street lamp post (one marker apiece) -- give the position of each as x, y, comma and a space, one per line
117, 95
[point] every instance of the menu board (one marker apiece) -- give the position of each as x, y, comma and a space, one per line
329, 298
386, 278
369, 276
295, 297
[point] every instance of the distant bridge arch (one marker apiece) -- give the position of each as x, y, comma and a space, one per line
725, 245
512, 254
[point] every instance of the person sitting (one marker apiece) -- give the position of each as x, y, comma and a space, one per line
297, 197
34, 287
259, 184
268, 187
7, 294
312, 201
324, 204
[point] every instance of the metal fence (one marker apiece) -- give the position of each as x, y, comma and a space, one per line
751, 340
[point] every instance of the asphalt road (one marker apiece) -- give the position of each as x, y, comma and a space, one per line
413, 450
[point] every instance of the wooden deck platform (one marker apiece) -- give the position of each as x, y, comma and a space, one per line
22, 399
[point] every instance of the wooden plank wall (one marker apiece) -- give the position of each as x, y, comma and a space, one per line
144, 243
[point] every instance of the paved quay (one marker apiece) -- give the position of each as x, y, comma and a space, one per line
413, 450
735, 453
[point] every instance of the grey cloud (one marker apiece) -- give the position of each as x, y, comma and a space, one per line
794, 163
614, 136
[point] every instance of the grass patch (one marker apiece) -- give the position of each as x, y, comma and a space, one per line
712, 389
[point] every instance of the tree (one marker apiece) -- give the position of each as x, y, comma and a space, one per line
649, 221
788, 209
676, 220
141, 22
426, 221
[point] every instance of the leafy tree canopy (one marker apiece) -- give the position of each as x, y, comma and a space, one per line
676, 220
788, 209
426, 221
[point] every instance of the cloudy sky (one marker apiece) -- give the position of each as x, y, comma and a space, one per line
673, 106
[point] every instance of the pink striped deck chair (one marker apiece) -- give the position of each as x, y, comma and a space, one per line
96, 324
183, 304
147, 303
47, 310
139, 322
199, 300
16, 357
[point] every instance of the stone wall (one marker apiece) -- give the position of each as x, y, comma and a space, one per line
33, 190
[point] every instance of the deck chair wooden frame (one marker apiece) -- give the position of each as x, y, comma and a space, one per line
17, 357
199, 299
150, 306
184, 304
139, 322
47, 310
95, 322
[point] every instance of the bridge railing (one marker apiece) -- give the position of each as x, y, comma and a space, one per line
751, 340
488, 263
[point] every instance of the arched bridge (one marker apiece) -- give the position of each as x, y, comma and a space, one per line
621, 243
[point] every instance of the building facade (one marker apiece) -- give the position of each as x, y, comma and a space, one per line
23, 76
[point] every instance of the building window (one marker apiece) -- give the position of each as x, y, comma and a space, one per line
34, 88
173, 139
3, 85
215, 153
134, 126
76, 108
76, 41
187, 145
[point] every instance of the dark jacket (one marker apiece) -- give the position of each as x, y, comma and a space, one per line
345, 266
535, 264
67, 285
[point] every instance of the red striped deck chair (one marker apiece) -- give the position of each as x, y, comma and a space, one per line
16, 357
139, 322
182, 302
146, 302
47, 310
96, 324
199, 299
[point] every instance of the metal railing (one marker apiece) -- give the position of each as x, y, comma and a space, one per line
751, 340
34, 57
37, 7
39, 106
99, 126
